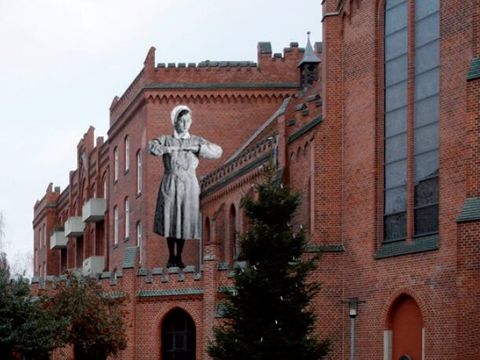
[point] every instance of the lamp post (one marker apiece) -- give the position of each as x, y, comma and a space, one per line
352, 313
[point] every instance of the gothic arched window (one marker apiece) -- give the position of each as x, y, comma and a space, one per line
178, 336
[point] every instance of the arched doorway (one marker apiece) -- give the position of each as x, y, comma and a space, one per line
405, 337
178, 336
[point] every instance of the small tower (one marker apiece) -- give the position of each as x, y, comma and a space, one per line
308, 66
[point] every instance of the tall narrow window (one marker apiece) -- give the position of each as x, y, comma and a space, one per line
115, 164
139, 172
411, 119
44, 236
233, 230
105, 187
115, 225
127, 219
139, 241
127, 153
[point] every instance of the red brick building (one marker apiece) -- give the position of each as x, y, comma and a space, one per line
378, 126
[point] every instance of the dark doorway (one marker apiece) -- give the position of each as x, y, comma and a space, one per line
178, 336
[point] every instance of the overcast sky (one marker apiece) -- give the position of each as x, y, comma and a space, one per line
63, 61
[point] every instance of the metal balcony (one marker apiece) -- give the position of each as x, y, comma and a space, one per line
74, 226
58, 240
94, 210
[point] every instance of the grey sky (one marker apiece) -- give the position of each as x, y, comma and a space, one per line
63, 61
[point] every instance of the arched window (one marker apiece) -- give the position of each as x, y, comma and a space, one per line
178, 336
411, 113
406, 333
139, 172
115, 164
232, 226
115, 225
127, 153
127, 219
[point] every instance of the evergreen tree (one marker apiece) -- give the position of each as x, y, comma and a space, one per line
268, 314
26, 329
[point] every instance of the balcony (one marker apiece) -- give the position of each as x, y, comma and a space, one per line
94, 210
93, 265
74, 226
58, 240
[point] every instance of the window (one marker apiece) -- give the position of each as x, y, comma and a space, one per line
115, 225
233, 230
139, 172
115, 164
127, 153
44, 236
178, 336
105, 187
139, 240
127, 219
411, 127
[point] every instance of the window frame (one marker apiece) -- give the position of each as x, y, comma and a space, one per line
139, 159
126, 153
411, 130
127, 219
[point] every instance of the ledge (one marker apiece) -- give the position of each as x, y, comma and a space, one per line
207, 86
172, 292
303, 130
236, 174
474, 72
421, 244
470, 210
324, 248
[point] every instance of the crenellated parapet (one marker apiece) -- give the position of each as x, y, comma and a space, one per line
147, 283
273, 72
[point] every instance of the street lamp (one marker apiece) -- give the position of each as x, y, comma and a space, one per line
352, 313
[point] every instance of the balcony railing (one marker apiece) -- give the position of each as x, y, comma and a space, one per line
58, 240
74, 226
94, 210
93, 265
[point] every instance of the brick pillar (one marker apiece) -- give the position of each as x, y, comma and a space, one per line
468, 230
209, 295
128, 285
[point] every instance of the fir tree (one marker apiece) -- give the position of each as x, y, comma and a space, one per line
268, 314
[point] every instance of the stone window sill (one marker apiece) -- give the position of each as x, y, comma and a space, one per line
419, 244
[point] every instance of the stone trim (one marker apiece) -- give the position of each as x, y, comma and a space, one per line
324, 248
303, 130
474, 72
215, 86
471, 208
420, 244
231, 177
171, 292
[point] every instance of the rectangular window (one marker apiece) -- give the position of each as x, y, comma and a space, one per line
139, 241
139, 172
115, 164
127, 219
127, 153
115, 225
